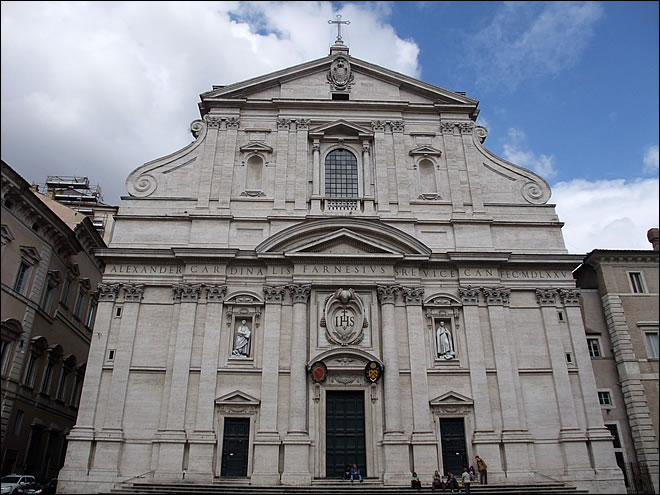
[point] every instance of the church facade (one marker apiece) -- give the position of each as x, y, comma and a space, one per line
337, 271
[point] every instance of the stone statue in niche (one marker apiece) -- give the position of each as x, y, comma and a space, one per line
443, 341
242, 344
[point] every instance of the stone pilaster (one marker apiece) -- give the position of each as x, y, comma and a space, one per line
472, 164
111, 436
228, 156
395, 443
366, 170
485, 440
602, 455
208, 159
267, 438
203, 439
172, 438
296, 444
281, 163
382, 181
572, 437
424, 441
401, 167
515, 436
453, 162
80, 438
300, 201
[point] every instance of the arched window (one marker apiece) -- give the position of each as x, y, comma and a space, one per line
255, 167
341, 174
427, 177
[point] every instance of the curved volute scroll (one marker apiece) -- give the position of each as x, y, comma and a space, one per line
529, 186
151, 177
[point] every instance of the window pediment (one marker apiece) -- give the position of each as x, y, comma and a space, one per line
425, 150
342, 128
256, 147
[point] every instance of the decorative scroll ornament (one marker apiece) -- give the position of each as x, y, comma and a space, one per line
373, 371
319, 372
343, 318
533, 193
340, 76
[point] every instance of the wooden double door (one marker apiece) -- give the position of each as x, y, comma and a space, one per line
344, 432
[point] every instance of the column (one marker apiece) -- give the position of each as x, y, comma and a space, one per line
424, 441
486, 441
202, 440
172, 438
227, 176
382, 183
400, 159
296, 444
514, 436
395, 442
572, 438
111, 437
80, 438
600, 444
281, 163
300, 201
208, 160
267, 438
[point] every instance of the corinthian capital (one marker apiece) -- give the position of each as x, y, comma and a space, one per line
387, 293
496, 295
299, 293
546, 297
570, 297
108, 292
133, 292
413, 295
273, 294
469, 295
215, 293
186, 292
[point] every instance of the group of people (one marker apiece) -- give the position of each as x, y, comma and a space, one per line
352, 473
451, 483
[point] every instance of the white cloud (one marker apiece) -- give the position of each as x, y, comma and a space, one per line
515, 152
531, 39
98, 88
606, 214
651, 160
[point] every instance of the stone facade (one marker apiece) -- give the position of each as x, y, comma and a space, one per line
620, 302
49, 276
343, 211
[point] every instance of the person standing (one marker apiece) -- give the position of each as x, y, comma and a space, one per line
482, 467
466, 480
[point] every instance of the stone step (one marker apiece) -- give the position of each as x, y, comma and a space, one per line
326, 487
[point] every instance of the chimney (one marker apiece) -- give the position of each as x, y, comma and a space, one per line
653, 235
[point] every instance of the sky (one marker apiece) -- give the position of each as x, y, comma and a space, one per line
566, 89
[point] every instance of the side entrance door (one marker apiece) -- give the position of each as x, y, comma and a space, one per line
452, 436
236, 438
344, 432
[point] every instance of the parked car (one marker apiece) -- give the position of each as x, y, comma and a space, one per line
38, 488
12, 482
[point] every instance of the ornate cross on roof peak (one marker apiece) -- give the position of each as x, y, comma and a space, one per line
339, 22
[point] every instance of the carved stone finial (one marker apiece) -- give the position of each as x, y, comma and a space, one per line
133, 292
108, 292
469, 295
496, 295
413, 295
299, 293
273, 294
546, 297
570, 297
387, 293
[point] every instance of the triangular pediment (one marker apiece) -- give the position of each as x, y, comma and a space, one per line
425, 150
340, 127
237, 398
451, 398
344, 242
256, 147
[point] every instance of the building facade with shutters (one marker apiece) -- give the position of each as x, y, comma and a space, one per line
49, 278
336, 270
620, 304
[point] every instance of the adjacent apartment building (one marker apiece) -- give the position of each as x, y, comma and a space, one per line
620, 307
49, 277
